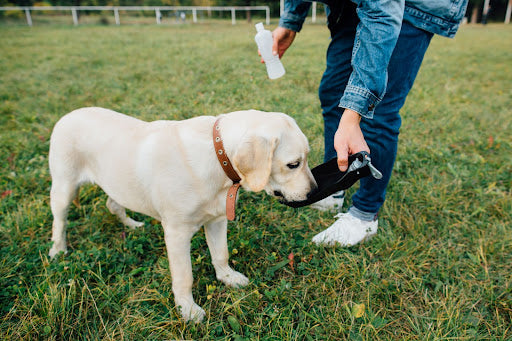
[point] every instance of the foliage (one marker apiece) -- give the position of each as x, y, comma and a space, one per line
439, 268
12, 14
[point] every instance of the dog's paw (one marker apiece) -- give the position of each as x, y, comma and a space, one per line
232, 278
132, 224
193, 313
56, 249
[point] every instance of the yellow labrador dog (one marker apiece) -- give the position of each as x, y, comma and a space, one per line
170, 171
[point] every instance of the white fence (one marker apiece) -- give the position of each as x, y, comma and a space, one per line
157, 9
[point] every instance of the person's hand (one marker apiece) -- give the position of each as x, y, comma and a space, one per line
349, 138
283, 38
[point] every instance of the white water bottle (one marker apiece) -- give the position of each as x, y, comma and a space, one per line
264, 40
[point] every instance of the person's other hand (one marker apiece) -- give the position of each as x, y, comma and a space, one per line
349, 138
283, 38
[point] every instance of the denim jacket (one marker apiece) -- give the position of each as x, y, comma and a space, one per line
376, 36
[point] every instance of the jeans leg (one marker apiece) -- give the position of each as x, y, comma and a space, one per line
381, 133
333, 83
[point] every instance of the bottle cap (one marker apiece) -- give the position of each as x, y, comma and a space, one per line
259, 27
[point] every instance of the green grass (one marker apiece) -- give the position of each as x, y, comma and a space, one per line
439, 268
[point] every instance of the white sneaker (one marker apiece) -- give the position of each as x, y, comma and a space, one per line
332, 203
346, 231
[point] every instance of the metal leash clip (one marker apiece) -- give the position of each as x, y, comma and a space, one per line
356, 164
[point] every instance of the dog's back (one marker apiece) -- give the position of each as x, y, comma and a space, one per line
79, 135
96, 145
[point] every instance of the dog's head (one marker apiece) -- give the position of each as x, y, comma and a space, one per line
271, 155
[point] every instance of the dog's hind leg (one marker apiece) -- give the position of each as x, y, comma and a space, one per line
216, 237
61, 195
120, 212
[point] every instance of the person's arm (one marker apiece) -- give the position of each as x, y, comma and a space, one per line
294, 14
290, 22
377, 33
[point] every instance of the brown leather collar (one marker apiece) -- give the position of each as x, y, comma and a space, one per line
228, 169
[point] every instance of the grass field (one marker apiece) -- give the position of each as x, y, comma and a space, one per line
440, 267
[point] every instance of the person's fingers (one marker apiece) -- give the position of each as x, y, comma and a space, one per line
275, 47
343, 159
283, 38
363, 147
259, 54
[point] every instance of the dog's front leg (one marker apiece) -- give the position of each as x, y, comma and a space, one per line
177, 241
216, 237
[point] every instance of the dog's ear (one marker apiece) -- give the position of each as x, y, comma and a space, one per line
253, 161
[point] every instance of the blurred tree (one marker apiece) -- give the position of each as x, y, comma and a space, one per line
274, 4
476, 7
474, 11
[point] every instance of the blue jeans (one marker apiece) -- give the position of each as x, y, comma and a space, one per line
381, 132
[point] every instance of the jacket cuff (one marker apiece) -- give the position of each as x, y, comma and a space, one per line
360, 100
291, 22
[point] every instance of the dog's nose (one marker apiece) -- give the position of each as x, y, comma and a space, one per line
278, 194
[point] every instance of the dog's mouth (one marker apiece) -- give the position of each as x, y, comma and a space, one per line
282, 199
286, 200
294, 200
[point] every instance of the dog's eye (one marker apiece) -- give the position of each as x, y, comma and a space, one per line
293, 165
